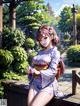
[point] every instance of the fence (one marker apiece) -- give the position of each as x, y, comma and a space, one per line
75, 80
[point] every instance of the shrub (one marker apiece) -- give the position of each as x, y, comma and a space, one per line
6, 58
29, 43
13, 76
21, 68
12, 38
73, 54
19, 54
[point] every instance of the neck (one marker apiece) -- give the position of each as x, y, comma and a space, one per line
48, 47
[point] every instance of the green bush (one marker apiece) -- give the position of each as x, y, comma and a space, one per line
73, 54
21, 68
6, 58
12, 38
19, 54
29, 43
13, 76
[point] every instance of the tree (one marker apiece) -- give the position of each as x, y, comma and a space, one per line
29, 17
65, 24
12, 4
31, 14
29, 24
66, 21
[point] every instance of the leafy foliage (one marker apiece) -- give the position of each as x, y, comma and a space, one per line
19, 54
28, 8
6, 58
29, 43
30, 24
21, 67
65, 21
13, 76
32, 14
12, 38
73, 54
26, 18
26, 11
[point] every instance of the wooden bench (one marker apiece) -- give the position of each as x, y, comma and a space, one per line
16, 94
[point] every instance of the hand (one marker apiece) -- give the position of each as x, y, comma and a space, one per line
36, 72
33, 71
30, 70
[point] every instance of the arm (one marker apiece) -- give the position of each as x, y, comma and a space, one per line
33, 71
52, 70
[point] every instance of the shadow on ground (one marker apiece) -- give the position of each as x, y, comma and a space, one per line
66, 77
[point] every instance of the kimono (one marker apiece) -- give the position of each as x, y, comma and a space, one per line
46, 62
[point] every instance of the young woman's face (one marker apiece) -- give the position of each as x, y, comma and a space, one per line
45, 41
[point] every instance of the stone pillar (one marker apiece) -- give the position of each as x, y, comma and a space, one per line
1, 22
74, 11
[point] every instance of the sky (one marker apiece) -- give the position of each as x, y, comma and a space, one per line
58, 5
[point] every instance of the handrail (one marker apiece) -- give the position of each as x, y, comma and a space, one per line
75, 80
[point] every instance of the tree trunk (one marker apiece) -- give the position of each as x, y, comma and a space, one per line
12, 15
1, 23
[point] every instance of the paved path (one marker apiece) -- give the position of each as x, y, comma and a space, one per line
65, 81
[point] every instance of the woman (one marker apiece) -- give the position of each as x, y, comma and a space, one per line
44, 85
